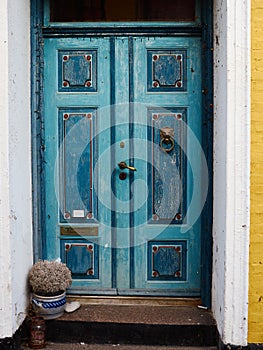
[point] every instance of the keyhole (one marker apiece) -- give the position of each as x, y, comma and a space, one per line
122, 176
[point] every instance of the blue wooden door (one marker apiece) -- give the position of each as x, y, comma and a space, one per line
124, 166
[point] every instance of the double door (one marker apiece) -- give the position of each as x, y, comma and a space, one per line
124, 163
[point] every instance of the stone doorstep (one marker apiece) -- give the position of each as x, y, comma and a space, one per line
61, 346
141, 314
135, 324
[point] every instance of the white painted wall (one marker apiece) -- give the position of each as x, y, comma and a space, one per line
15, 163
231, 168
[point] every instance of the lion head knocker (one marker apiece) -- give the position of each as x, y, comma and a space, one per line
167, 139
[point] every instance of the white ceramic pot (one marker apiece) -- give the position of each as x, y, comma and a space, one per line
49, 307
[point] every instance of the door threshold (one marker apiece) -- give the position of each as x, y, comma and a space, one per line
134, 300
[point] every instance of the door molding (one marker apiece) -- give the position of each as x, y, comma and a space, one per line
38, 126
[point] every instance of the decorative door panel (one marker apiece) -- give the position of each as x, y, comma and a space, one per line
166, 70
168, 168
77, 71
166, 261
123, 163
81, 257
76, 129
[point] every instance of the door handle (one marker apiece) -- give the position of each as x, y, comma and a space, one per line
123, 165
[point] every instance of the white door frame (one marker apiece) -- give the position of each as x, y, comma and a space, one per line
231, 219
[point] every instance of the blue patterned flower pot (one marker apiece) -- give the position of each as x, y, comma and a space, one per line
49, 307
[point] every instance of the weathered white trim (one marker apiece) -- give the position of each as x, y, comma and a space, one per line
5, 267
231, 169
15, 164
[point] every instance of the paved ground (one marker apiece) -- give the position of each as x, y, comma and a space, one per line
82, 346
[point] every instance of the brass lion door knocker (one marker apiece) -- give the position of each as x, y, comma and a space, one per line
167, 139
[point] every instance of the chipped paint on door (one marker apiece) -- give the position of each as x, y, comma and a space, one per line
132, 229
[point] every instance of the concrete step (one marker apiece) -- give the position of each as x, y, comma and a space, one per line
82, 346
147, 325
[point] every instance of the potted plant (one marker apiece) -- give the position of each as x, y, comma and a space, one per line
49, 281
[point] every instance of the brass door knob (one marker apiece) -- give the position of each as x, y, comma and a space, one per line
123, 165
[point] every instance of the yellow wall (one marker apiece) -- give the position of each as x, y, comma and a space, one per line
255, 325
